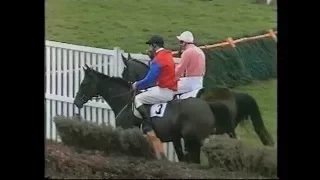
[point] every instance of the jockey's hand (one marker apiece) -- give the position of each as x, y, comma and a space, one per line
134, 86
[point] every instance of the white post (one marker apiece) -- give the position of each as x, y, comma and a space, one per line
48, 91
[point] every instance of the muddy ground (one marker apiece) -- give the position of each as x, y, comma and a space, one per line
69, 162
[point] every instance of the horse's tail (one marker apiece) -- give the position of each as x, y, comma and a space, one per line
256, 118
222, 115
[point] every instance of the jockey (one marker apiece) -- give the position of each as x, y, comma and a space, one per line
162, 71
192, 65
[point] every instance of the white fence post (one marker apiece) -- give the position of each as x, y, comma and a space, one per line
118, 60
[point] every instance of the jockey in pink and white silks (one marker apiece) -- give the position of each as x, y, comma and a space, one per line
192, 66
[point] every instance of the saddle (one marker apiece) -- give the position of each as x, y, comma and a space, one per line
192, 94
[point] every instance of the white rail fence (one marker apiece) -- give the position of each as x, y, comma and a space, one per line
64, 74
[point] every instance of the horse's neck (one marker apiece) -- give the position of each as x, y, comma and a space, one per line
140, 70
116, 99
143, 72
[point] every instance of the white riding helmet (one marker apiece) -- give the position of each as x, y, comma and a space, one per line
186, 36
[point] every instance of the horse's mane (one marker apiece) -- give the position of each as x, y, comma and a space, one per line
139, 62
116, 79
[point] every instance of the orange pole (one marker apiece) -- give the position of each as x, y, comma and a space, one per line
272, 34
231, 42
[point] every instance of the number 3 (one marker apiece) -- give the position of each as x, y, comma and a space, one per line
159, 109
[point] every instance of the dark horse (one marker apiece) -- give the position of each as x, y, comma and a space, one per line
190, 119
245, 105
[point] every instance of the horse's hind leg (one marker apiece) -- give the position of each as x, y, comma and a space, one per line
193, 149
178, 148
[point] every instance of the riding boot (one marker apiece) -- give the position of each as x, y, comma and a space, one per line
148, 130
146, 123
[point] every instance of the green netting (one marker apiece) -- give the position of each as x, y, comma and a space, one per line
259, 58
251, 60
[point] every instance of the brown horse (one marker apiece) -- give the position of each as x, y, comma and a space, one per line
242, 106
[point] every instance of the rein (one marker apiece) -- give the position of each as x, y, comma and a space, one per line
119, 95
130, 101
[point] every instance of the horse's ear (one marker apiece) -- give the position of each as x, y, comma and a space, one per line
86, 68
125, 61
129, 56
123, 58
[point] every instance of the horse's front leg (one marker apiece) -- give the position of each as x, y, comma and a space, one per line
178, 148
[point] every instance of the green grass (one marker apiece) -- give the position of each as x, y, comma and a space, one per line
128, 23
265, 93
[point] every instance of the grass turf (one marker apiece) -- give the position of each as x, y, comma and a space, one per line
128, 23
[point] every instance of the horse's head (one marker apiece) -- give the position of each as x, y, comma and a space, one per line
133, 69
88, 87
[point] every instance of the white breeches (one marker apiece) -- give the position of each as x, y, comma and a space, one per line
187, 84
154, 95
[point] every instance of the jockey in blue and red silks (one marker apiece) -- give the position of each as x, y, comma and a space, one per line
162, 71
